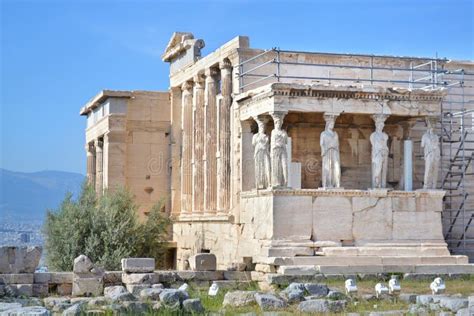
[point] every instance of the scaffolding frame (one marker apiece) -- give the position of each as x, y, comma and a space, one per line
455, 128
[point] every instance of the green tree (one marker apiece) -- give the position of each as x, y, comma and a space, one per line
104, 228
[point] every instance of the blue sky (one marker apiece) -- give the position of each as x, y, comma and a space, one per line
55, 55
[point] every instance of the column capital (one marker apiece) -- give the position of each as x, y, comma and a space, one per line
98, 144
278, 114
210, 73
225, 64
199, 80
89, 148
379, 118
187, 86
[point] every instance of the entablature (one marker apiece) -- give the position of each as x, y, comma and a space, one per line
368, 100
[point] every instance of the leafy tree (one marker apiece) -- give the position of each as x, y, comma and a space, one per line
104, 228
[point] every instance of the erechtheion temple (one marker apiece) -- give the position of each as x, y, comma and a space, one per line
298, 161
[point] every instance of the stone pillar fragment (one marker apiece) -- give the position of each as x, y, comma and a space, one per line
198, 148
90, 164
223, 154
210, 143
99, 184
187, 152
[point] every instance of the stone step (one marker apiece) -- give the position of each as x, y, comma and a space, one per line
367, 260
395, 251
309, 270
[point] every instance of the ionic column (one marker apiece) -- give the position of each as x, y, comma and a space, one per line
99, 160
223, 154
210, 144
187, 153
90, 164
198, 148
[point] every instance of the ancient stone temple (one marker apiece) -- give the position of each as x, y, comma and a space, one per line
289, 159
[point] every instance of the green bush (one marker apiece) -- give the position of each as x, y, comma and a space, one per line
104, 228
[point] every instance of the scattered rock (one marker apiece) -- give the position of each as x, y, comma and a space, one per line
453, 304
82, 264
463, 312
239, 298
97, 301
111, 292
135, 308
28, 311
322, 306
171, 297
135, 289
156, 306
315, 289
294, 292
50, 302
269, 301
336, 295
389, 313
314, 306
7, 306
152, 294
158, 286
193, 306
74, 310
408, 298
424, 299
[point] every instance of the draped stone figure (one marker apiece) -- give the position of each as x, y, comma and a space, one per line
430, 144
261, 156
279, 154
379, 139
331, 168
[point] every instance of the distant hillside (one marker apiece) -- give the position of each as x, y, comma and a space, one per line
28, 195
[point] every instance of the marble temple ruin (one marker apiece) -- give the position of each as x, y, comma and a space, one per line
294, 161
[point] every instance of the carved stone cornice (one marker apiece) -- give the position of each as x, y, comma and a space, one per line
342, 192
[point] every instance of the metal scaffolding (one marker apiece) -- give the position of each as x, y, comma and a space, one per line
456, 122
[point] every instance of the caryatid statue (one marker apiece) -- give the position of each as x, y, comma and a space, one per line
261, 156
329, 141
278, 153
380, 151
430, 144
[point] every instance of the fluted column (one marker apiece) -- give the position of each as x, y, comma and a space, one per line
198, 148
223, 155
210, 144
90, 164
99, 160
187, 153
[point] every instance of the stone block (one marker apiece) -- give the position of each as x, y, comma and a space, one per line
87, 286
136, 278
138, 265
417, 226
199, 275
42, 277
372, 218
82, 264
286, 224
203, 262
238, 275
40, 290
269, 301
61, 277
232, 284
22, 289
64, 289
332, 218
166, 276
266, 268
20, 259
17, 278
297, 270
113, 278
